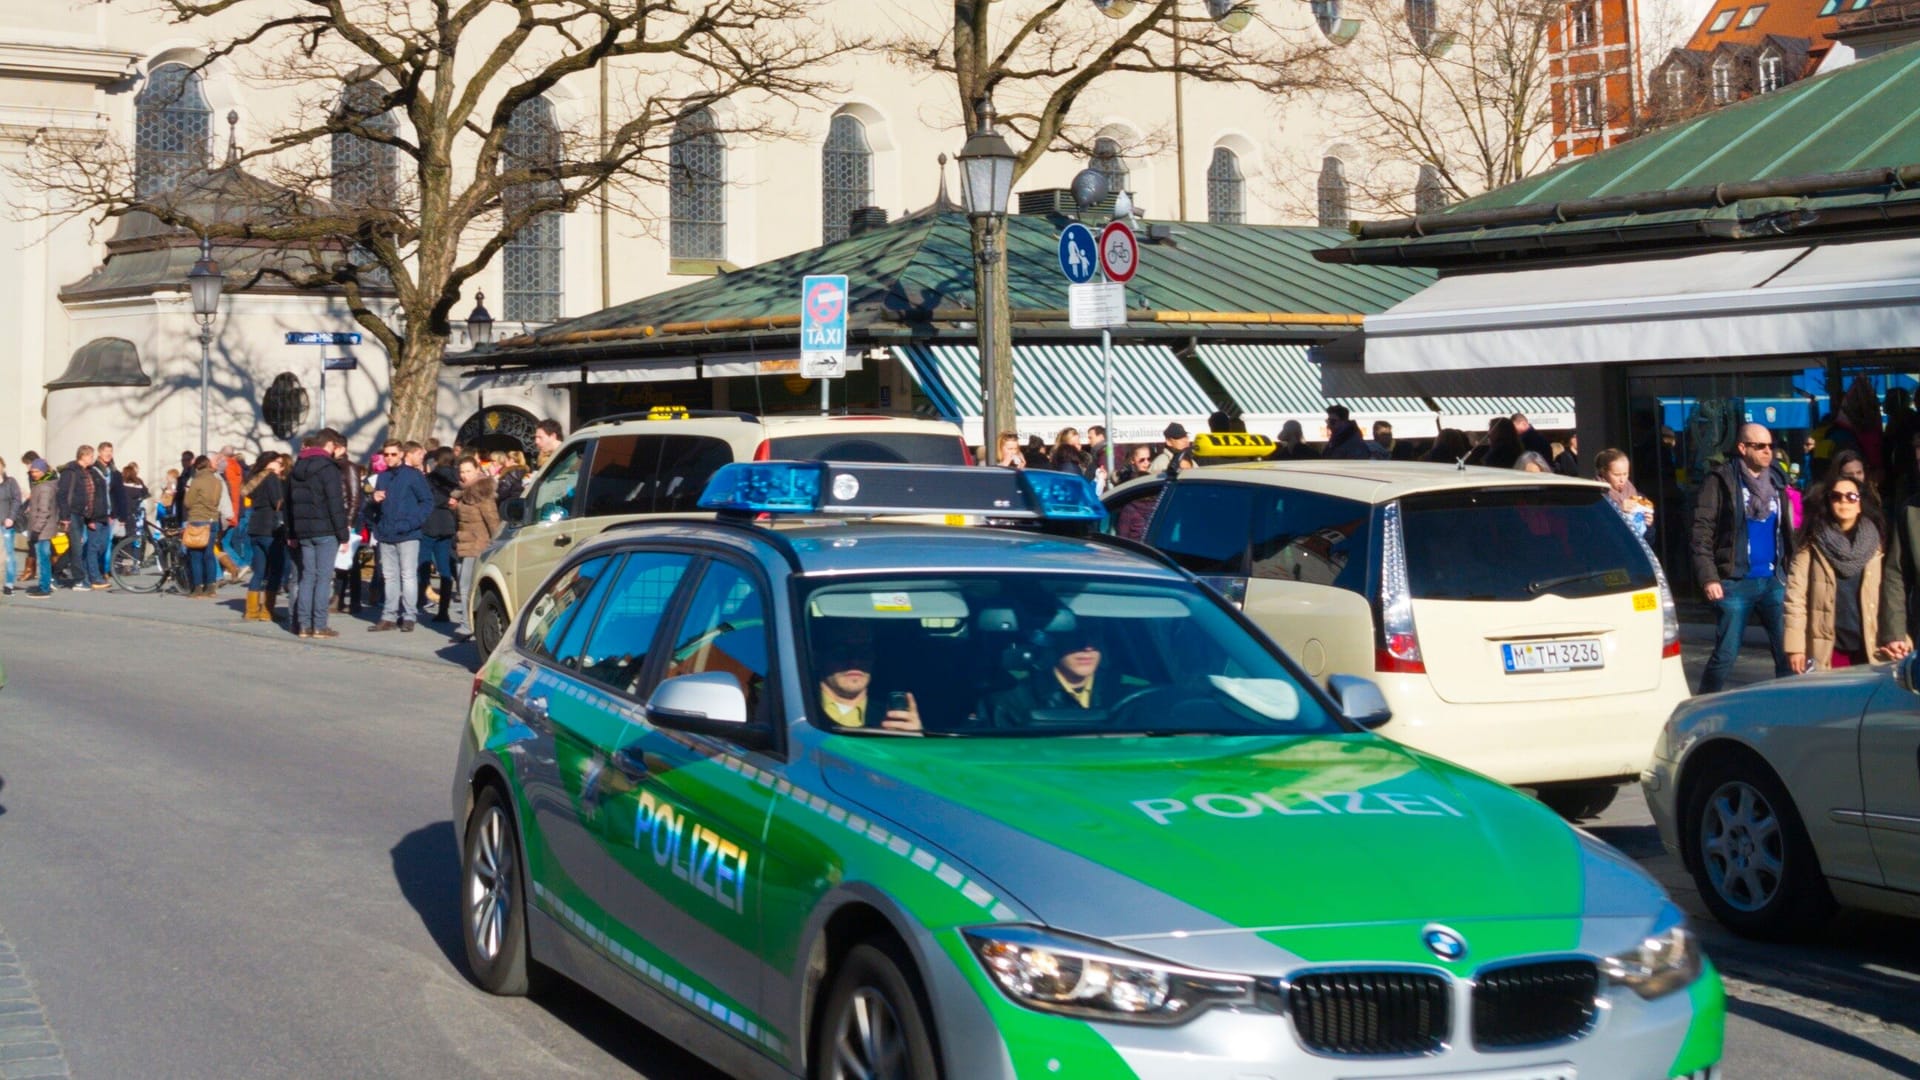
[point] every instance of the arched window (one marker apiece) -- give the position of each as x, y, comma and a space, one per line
531, 260
1108, 162
1327, 14
846, 171
1420, 22
1333, 192
363, 168
172, 127
697, 166
1429, 194
1772, 70
1226, 188
1723, 80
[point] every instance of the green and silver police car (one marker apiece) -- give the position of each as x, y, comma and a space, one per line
831, 798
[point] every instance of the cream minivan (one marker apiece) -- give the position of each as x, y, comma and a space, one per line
1513, 622
627, 467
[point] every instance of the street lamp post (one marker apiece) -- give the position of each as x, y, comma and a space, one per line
987, 162
204, 283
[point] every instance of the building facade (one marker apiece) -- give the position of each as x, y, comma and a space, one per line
1593, 66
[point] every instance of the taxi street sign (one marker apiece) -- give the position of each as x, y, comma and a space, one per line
823, 326
310, 337
1077, 258
1119, 251
1096, 305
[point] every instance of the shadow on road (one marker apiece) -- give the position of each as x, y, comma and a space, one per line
3, 787
1825, 1035
426, 865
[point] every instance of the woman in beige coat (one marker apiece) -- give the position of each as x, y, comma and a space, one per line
1834, 586
479, 522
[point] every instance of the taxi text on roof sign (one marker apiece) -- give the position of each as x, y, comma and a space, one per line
1231, 444
842, 489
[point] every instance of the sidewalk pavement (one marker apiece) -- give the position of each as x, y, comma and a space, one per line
430, 642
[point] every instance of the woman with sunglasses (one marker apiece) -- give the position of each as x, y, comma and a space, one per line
1834, 587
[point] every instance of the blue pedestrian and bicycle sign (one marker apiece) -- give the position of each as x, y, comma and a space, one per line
1077, 254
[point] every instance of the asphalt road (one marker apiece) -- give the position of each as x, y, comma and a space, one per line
225, 854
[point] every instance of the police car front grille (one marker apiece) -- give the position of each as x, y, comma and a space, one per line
1370, 1012
1532, 1004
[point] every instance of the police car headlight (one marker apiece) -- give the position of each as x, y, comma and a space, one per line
1079, 977
1666, 960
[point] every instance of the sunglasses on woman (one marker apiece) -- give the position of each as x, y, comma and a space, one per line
1844, 496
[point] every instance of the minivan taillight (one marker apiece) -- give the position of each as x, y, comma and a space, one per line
1669, 612
966, 452
1399, 645
763, 452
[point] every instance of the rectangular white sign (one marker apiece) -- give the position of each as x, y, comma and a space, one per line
1096, 304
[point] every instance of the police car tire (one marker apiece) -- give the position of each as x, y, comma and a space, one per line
878, 967
509, 974
1801, 902
1577, 802
489, 621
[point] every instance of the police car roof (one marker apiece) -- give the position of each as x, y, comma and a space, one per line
860, 547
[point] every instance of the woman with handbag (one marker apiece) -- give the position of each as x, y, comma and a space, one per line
201, 513
265, 493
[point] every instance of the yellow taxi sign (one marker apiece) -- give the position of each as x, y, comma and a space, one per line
1645, 601
667, 412
1231, 444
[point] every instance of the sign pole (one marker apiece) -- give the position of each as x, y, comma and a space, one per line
1106, 365
323, 389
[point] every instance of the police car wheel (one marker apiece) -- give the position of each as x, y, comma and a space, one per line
874, 1026
489, 621
1750, 853
1577, 802
493, 914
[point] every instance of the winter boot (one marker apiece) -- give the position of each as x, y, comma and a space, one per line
267, 598
227, 564
253, 606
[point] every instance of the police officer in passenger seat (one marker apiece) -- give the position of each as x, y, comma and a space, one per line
846, 668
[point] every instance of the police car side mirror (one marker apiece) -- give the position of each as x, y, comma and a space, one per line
708, 703
1360, 700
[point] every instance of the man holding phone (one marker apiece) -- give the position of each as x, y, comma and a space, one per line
846, 679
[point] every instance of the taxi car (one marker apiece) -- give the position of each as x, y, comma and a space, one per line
844, 800
658, 462
1513, 622
1787, 796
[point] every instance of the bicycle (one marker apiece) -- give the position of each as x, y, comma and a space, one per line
148, 558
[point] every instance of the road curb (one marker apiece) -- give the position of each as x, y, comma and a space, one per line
29, 1047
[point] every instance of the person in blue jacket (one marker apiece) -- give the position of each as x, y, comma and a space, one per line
400, 503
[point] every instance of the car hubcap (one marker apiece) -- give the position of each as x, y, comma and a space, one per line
871, 1045
490, 885
1742, 846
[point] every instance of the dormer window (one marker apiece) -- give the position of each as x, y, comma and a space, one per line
1772, 71
1752, 15
1723, 20
1723, 80
1677, 86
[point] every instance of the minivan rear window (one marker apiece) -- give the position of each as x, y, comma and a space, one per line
875, 447
1515, 544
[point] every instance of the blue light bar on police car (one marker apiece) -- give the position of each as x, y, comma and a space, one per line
862, 490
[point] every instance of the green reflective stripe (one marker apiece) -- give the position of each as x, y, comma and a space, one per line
662, 972
1061, 381
1280, 380
1706, 1035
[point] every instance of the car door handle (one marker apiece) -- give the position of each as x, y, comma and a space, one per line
562, 540
632, 764
536, 708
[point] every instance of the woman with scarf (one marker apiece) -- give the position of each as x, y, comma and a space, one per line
1834, 587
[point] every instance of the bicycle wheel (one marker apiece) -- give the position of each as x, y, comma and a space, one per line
136, 565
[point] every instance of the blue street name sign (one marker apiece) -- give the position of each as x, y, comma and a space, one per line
1077, 254
312, 337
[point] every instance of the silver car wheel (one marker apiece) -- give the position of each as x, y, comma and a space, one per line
490, 885
1742, 846
870, 1044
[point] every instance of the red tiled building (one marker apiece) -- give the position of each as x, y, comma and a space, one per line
1594, 72
1743, 48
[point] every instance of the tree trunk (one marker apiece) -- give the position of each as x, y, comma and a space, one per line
416, 386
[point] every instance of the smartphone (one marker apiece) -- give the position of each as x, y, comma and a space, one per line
897, 701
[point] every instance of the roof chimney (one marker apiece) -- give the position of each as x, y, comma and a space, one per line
865, 220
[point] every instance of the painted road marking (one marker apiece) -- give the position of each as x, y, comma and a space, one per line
28, 1045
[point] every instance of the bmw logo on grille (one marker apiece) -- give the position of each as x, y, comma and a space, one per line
1444, 943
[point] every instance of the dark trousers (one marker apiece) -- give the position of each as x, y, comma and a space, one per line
96, 538
1768, 597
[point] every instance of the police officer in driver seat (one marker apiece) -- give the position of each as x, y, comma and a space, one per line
1071, 683
846, 677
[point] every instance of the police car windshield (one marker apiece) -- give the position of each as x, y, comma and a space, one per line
1020, 655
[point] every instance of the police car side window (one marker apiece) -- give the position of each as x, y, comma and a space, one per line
552, 616
627, 624
1204, 526
553, 496
1306, 536
725, 629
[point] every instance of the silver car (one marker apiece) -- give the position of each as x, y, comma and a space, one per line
1787, 797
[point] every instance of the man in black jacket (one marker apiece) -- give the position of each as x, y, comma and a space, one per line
317, 514
86, 510
1071, 683
1742, 545
1344, 440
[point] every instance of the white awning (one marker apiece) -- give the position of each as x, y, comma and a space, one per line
1272, 384
1766, 302
1472, 414
633, 371
518, 377
1059, 386
732, 365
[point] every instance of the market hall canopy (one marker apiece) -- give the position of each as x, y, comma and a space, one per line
1061, 386
1272, 384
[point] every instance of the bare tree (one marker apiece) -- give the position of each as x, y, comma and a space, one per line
1037, 60
438, 94
1461, 88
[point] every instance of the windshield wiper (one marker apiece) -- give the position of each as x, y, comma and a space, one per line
1543, 585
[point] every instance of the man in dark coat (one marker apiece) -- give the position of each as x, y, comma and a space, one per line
1742, 546
1344, 439
86, 509
317, 516
1072, 682
398, 512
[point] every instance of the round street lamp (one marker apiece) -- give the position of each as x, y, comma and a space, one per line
987, 163
205, 282
480, 322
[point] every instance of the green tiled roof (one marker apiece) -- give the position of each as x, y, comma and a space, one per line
899, 274
1862, 116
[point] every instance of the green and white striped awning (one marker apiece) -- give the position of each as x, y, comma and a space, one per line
1471, 414
1271, 384
1056, 386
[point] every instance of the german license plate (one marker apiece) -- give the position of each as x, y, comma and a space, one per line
1527, 657
1560, 1070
